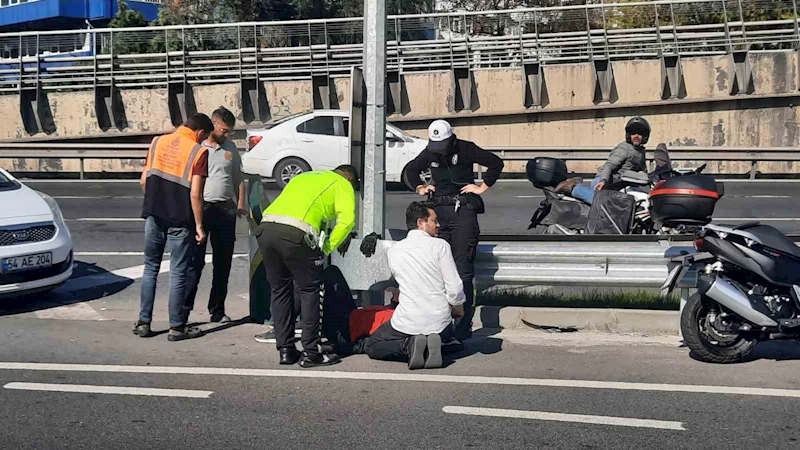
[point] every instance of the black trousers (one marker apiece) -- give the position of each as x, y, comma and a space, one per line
388, 344
219, 221
291, 263
461, 230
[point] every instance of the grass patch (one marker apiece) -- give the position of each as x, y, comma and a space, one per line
639, 299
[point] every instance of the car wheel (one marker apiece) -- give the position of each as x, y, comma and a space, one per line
288, 169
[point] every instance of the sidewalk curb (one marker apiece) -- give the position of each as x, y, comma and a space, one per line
596, 319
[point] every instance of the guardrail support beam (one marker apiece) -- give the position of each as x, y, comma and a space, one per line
464, 93
672, 83
535, 87
253, 98
396, 94
324, 92
34, 108
180, 98
109, 109
605, 87
742, 79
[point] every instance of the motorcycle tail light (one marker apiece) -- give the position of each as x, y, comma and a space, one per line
698, 243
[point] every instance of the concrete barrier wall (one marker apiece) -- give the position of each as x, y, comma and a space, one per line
707, 115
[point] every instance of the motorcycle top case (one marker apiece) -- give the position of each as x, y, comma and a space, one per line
689, 198
546, 172
611, 213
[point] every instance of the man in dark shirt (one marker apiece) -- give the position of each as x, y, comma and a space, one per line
457, 200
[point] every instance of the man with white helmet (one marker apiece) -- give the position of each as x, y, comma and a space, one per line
457, 200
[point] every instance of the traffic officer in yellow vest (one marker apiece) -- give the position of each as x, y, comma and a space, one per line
293, 243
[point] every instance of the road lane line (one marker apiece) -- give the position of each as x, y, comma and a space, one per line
102, 197
120, 390
382, 376
78, 311
115, 276
235, 255
106, 219
757, 219
560, 417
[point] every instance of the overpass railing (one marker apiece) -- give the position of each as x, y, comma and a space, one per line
217, 53
82, 152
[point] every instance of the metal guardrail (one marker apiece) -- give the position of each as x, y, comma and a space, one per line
220, 53
556, 263
83, 152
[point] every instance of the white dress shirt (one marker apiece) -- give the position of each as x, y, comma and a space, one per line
429, 283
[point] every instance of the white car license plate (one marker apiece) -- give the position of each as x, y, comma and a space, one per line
27, 262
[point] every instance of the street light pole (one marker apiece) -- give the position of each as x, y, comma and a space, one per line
374, 176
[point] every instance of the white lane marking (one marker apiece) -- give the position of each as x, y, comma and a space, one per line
560, 417
106, 219
380, 376
529, 196
102, 197
115, 276
757, 219
78, 311
121, 390
235, 255
29, 181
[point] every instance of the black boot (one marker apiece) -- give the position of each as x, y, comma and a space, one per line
289, 356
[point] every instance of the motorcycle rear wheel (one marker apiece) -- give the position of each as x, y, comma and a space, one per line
703, 346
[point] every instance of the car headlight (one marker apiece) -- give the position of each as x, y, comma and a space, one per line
57, 216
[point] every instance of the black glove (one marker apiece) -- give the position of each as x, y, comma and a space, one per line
369, 243
346, 243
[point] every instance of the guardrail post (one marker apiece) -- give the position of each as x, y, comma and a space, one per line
535, 87
180, 95
82, 174
108, 105
463, 86
742, 80
605, 87
252, 94
34, 106
672, 83
753, 169
396, 96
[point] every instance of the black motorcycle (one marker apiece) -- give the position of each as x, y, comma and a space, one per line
748, 290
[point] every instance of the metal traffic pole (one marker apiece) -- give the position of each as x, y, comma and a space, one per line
373, 184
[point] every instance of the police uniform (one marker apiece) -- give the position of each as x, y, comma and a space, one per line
451, 161
292, 242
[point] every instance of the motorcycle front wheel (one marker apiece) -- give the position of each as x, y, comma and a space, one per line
708, 343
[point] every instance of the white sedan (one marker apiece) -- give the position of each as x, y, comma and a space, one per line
318, 140
35, 244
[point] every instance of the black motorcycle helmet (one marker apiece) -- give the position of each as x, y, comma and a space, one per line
637, 125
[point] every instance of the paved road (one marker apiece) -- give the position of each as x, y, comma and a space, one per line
508, 389
105, 216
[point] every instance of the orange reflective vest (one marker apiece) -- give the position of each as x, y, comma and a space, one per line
172, 161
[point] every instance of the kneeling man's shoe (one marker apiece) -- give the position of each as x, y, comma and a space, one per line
416, 351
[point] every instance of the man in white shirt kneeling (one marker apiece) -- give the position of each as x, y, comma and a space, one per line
431, 295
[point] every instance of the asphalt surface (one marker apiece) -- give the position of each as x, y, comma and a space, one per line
105, 216
360, 403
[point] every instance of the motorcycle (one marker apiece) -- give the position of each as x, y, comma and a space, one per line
665, 201
748, 290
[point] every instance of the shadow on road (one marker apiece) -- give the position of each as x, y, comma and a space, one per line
88, 282
788, 350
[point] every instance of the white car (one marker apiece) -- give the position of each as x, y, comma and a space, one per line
318, 140
35, 244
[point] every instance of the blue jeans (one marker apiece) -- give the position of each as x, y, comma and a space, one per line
157, 234
585, 193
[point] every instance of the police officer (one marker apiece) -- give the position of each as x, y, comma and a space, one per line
457, 200
293, 244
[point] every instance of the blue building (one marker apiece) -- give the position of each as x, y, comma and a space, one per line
38, 15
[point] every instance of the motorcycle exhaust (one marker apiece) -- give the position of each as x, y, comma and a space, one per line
722, 290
